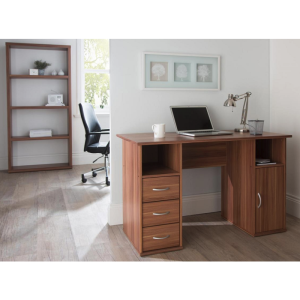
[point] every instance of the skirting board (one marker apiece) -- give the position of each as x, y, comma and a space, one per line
191, 205
293, 205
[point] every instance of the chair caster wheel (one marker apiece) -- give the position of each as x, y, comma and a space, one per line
94, 174
83, 179
107, 182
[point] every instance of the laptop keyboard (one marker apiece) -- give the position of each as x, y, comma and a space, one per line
202, 131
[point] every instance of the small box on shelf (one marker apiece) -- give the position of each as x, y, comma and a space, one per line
33, 72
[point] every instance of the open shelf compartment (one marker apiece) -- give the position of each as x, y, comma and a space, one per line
161, 160
274, 149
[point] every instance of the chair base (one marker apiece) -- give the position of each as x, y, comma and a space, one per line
95, 171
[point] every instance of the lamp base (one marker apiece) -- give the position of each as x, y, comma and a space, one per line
241, 130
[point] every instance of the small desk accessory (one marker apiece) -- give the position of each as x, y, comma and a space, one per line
256, 127
159, 130
230, 102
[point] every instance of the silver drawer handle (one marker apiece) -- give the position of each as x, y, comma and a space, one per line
162, 214
259, 205
160, 190
162, 238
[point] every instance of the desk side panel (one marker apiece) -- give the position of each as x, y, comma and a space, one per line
238, 185
132, 203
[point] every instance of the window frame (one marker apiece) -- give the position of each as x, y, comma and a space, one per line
81, 71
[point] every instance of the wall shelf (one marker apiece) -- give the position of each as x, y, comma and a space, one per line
11, 121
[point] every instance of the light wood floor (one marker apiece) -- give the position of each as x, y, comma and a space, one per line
52, 216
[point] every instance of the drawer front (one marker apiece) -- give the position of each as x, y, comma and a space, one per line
158, 213
160, 188
159, 237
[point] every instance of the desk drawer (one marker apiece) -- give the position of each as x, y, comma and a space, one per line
160, 188
158, 237
158, 213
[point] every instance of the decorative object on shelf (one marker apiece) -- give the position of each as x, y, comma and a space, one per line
168, 71
61, 73
33, 72
256, 127
41, 66
159, 130
54, 73
55, 100
230, 102
34, 133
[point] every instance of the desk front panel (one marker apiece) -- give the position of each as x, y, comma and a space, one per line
204, 155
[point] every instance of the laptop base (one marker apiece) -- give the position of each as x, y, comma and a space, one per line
205, 133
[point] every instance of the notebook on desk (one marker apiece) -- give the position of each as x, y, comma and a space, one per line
194, 121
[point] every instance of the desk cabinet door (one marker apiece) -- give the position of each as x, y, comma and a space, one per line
270, 199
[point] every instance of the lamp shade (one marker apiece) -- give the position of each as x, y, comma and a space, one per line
230, 101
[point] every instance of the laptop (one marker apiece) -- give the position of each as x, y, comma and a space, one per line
194, 121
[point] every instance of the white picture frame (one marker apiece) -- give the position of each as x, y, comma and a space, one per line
173, 58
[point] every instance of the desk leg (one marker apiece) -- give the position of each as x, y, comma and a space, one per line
132, 186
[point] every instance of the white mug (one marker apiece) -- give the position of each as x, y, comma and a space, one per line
159, 130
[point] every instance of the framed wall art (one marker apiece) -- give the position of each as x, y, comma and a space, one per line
169, 71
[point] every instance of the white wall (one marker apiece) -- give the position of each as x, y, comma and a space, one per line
244, 67
284, 110
46, 151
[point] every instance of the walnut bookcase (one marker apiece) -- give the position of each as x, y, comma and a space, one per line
10, 108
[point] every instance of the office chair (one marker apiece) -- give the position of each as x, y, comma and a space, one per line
93, 133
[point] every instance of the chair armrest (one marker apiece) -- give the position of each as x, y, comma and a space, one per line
104, 131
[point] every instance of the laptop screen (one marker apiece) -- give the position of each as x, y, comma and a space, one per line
191, 118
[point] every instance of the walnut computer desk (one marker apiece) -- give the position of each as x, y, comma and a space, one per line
253, 197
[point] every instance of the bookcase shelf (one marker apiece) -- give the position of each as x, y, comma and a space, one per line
38, 77
27, 138
39, 107
11, 122
46, 167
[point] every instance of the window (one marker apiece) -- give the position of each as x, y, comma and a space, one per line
94, 73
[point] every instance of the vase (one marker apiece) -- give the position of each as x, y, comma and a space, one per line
61, 73
54, 73
42, 72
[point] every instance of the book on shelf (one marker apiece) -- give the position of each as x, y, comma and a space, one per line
269, 163
264, 162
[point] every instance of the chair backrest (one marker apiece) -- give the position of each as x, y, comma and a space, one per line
90, 123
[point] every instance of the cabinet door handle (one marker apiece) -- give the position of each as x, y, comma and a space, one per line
259, 205
162, 214
161, 238
160, 190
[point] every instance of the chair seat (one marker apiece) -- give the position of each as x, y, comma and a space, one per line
97, 148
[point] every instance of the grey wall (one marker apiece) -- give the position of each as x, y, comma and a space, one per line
27, 91
284, 110
244, 67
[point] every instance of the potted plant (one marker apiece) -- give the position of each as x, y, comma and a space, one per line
41, 66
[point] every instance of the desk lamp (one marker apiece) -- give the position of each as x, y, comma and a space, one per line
230, 102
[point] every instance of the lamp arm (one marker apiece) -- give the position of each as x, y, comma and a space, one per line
244, 113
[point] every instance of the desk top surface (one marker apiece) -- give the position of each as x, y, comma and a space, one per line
174, 138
